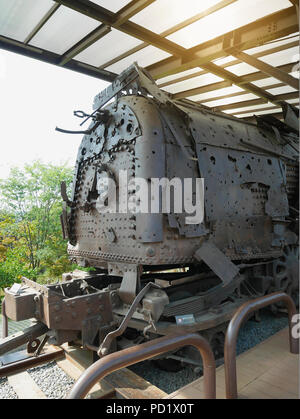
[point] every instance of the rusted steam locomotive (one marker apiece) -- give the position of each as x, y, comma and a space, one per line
155, 274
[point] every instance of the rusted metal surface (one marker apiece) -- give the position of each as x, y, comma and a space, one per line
20, 338
126, 357
34, 361
4, 321
245, 247
241, 315
104, 347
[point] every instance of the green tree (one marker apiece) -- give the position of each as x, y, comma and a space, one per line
30, 229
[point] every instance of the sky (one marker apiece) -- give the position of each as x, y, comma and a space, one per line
35, 97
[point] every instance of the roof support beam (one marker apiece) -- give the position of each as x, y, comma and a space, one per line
244, 38
213, 99
233, 79
187, 22
88, 40
270, 108
203, 89
124, 14
278, 115
41, 23
234, 62
220, 85
265, 68
105, 16
227, 75
52, 58
249, 36
277, 100
131, 9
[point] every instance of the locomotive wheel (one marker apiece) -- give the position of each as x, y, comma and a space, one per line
286, 274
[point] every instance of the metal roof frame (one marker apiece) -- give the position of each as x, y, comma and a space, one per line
271, 28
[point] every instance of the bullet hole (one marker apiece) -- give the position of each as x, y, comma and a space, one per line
231, 159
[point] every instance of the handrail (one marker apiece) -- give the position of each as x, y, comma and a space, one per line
138, 353
237, 320
4, 321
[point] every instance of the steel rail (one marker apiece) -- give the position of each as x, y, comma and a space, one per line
138, 353
27, 363
240, 316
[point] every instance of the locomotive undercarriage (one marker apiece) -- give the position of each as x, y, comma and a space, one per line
85, 310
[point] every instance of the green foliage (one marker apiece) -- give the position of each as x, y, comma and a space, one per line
12, 269
31, 242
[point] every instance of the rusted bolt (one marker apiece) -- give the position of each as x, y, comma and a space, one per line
150, 252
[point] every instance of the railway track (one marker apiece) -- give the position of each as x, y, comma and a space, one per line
123, 384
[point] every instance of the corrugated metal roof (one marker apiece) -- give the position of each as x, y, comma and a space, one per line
235, 56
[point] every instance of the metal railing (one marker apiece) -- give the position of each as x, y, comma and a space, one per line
142, 352
4, 321
240, 316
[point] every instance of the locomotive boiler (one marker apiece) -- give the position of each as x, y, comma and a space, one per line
155, 273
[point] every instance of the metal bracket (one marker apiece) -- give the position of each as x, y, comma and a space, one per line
130, 284
218, 262
104, 347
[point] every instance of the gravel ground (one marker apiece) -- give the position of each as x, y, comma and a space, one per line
6, 391
52, 380
56, 384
